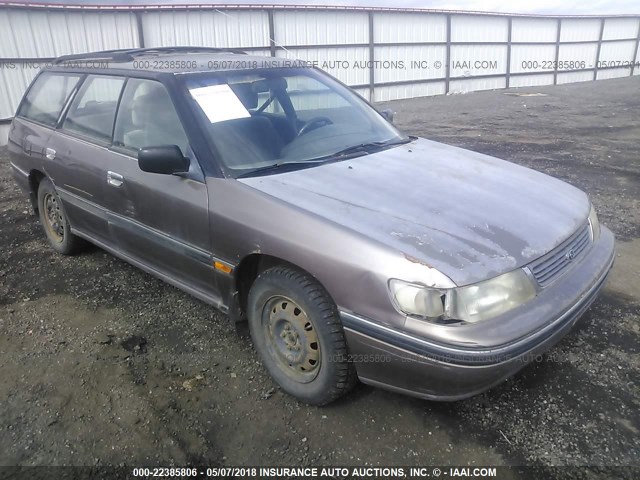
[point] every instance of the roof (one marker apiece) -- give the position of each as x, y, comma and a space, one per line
172, 60
157, 6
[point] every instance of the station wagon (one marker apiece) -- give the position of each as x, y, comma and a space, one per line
281, 197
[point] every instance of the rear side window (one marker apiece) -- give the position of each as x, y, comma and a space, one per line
147, 118
47, 97
93, 110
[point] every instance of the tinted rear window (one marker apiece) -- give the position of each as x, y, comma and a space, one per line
47, 97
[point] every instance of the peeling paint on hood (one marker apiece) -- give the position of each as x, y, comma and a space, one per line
469, 215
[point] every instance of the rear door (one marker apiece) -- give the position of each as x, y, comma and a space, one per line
160, 220
81, 150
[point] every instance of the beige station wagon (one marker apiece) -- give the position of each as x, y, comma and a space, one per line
279, 196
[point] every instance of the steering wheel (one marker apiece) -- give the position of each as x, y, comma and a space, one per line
315, 122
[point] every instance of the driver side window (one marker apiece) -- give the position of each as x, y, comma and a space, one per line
147, 118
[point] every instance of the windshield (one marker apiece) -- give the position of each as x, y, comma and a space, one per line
262, 119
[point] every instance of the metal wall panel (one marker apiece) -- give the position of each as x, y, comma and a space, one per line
617, 51
364, 93
349, 65
209, 28
398, 92
45, 34
471, 60
467, 28
569, 77
532, 58
613, 73
534, 29
312, 27
580, 29
474, 84
531, 80
419, 61
42, 34
619, 28
4, 134
409, 27
577, 52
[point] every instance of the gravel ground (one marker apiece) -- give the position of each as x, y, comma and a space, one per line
105, 365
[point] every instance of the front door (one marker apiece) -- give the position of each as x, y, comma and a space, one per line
159, 220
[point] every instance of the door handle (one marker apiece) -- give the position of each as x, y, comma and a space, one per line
114, 179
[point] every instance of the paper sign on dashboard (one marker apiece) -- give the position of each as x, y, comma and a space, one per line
219, 103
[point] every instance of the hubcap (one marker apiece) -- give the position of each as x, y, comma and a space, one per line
292, 339
53, 217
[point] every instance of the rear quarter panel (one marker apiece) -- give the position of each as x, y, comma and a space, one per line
26, 144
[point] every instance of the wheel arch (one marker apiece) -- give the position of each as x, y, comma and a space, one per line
292, 343
247, 272
35, 177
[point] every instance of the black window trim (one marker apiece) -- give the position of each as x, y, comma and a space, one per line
72, 94
115, 118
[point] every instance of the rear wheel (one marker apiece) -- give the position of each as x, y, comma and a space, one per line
54, 221
297, 332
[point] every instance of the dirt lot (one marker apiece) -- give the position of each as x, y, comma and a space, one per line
103, 364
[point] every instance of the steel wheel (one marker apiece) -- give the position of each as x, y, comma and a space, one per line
296, 330
292, 339
54, 219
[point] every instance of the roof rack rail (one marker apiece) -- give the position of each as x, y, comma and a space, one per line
103, 55
187, 49
129, 54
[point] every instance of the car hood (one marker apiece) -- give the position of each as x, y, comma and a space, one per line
469, 215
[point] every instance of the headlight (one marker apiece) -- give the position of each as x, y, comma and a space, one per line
473, 303
417, 300
491, 298
595, 224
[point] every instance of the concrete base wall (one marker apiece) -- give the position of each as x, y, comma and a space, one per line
4, 132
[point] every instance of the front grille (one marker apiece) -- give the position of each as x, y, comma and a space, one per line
551, 266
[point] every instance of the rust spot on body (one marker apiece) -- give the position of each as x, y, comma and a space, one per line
413, 259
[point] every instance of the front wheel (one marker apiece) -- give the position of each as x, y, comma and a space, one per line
54, 221
297, 332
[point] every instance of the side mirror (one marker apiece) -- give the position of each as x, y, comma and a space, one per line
388, 114
165, 159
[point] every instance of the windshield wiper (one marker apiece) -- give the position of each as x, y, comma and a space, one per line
279, 166
349, 152
364, 148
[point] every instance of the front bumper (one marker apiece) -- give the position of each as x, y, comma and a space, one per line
414, 365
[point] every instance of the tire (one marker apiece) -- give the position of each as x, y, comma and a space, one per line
297, 332
54, 220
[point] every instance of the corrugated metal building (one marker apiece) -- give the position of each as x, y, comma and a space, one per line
383, 53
